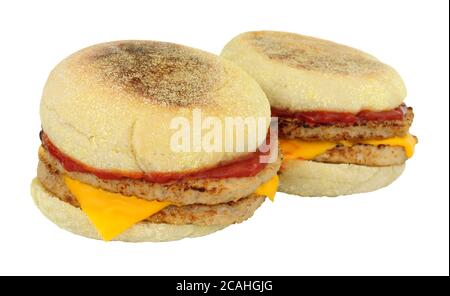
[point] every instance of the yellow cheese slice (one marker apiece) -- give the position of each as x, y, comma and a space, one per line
299, 149
296, 148
111, 213
269, 188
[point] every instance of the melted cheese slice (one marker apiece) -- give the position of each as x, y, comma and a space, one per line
111, 213
296, 148
269, 188
299, 149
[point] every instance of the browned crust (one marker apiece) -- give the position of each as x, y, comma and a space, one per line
368, 155
185, 192
313, 54
158, 72
292, 128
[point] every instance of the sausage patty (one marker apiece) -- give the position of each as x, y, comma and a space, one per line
363, 154
292, 128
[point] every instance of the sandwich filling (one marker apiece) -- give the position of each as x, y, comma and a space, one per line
246, 166
116, 203
370, 138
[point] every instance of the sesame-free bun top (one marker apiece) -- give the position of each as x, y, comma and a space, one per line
303, 73
110, 106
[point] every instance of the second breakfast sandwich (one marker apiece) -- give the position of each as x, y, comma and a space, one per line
342, 122
107, 168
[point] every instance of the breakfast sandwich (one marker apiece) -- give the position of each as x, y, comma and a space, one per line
110, 166
343, 123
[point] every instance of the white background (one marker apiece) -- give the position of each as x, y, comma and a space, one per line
400, 230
